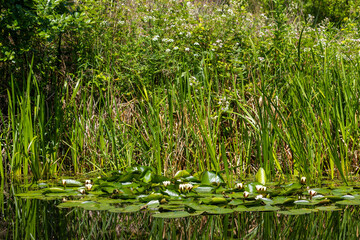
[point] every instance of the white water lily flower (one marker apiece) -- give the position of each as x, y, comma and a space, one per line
246, 194
259, 197
303, 180
82, 191
88, 186
187, 49
185, 187
166, 183
239, 185
87, 181
312, 192
63, 182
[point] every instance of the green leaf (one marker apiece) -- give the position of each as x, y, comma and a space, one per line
182, 174
210, 178
301, 211
179, 214
261, 176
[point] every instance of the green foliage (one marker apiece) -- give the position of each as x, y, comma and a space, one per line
336, 10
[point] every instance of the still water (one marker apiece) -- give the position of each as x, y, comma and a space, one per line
42, 219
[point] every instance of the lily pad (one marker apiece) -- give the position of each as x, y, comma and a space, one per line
266, 208
220, 211
179, 214
301, 211
182, 174
210, 178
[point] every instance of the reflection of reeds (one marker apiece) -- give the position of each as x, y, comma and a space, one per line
45, 221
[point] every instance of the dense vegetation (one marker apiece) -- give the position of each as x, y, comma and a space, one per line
204, 85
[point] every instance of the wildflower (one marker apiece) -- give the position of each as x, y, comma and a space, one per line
196, 43
167, 50
155, 38
259, 197
87, 182
82, 191
64, 182
88, 186
176, 48
187, 49
261, 59
196, 55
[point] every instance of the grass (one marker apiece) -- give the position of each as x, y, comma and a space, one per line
200, 86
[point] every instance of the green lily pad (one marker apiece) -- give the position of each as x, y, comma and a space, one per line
266, 208
203, 189
240, 208
72, 183
30, 194
301, 211
219, 210
179, 214
181, 174
210, 178
328, 208
348, 202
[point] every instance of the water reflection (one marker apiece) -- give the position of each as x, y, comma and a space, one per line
38, 219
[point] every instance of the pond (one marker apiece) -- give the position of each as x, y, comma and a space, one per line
139, 204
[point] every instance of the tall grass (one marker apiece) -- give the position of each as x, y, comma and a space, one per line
199, 86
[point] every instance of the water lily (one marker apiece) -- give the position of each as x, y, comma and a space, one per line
166, 183
185, 187
87, 181
88, 186
64, 182
260, 188
239, 185
82, 191
246, 194
312, 193
259, 197
303, 180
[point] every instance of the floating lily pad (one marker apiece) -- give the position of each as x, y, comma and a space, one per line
211, 178
301, 211
220, 211
348, 202
240, 208
72, 183
179, 214
328, 208
266, 208
203, 189
182, 174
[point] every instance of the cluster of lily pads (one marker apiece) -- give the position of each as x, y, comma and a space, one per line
140, 188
